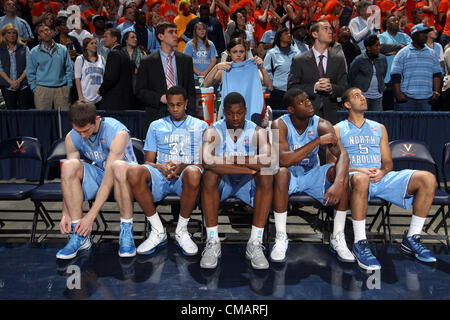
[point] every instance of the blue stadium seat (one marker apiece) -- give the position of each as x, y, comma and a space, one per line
417, 151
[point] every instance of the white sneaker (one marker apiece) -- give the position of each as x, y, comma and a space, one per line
211, 254
184, 241
255, 253
339, 246
279, 248
154, 240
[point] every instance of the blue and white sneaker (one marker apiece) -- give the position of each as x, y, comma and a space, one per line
126, 243
76, 243
413, 245
154, 241
364, 256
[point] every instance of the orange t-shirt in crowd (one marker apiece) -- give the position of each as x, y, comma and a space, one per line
444, 7
333, 20
121, 20
410, 5
90, 13
262, 27
169, 11
303, 12
40, 7
318, 12
386, 6
430, 16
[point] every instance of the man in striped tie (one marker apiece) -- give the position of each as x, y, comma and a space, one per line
162, 70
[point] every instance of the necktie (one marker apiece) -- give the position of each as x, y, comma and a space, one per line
170, 75
320, 66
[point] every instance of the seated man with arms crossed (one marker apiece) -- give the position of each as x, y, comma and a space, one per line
235, 153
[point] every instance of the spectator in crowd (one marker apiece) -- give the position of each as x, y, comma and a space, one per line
181, 20
238, 22
85, 5
333, 9
40, 8
242, 77
130, 18
49, 19
444, 20
49, 71
89, 69
238, 34
173, 66
298, 37
367, 72
282, 11
266, 41
145, 34
363, 25
202, 51
169, 10
263, 14
278, 63
214, 27
13, 61
392, 40
220, 10
80, 34
416, 73
99, 25
117, 86
65, 39
10, 16
351, 50
346, 14
95, 10
336, 47
136, 54
320, 73
436, 46
446, 84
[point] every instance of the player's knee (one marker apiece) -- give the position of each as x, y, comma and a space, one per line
282, 177
135, 175
210, 179
192, 177
264, 181
119, 169
360, 181
428, 181
70, 169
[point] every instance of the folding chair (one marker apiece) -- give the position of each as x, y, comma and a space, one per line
417, 151
22, 148
445, 162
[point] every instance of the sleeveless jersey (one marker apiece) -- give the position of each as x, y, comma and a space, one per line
362, 144
179, 141
242, 147
296, 141
96, 148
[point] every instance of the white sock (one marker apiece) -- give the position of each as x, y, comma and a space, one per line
339, 222
122, 220
416, 225
256, 234
212, 233
359, 229
280, 221
156, 223
182, 223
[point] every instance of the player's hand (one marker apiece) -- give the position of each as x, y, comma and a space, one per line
84, 227
333, 194
175, 169
259, 62
163, 99
65, 226
375, 174
165, 169
328, 138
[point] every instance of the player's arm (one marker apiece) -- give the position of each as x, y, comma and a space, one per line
71, 151
288, 157
116, 152
220, 165
386, 158
333, 194
263, 157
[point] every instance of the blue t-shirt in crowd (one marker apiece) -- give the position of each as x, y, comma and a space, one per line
201, 58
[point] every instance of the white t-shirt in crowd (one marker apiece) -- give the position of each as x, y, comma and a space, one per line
91, 77
80, 37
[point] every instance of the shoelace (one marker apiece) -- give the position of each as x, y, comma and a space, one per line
418, 245
366, 252
208, 246
126, 236
258, 249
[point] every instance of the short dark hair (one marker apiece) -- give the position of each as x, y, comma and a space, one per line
370, 40
60, 21
316, 25
162, 26
82, 113
125, 37
346, 95
175, 90
115, 33
384, 23
289, 96
234, 42
233, 98
277, 38
38, 26
204, 7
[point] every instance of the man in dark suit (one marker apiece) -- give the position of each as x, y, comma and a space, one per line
155, 75
116, 89
320, 73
